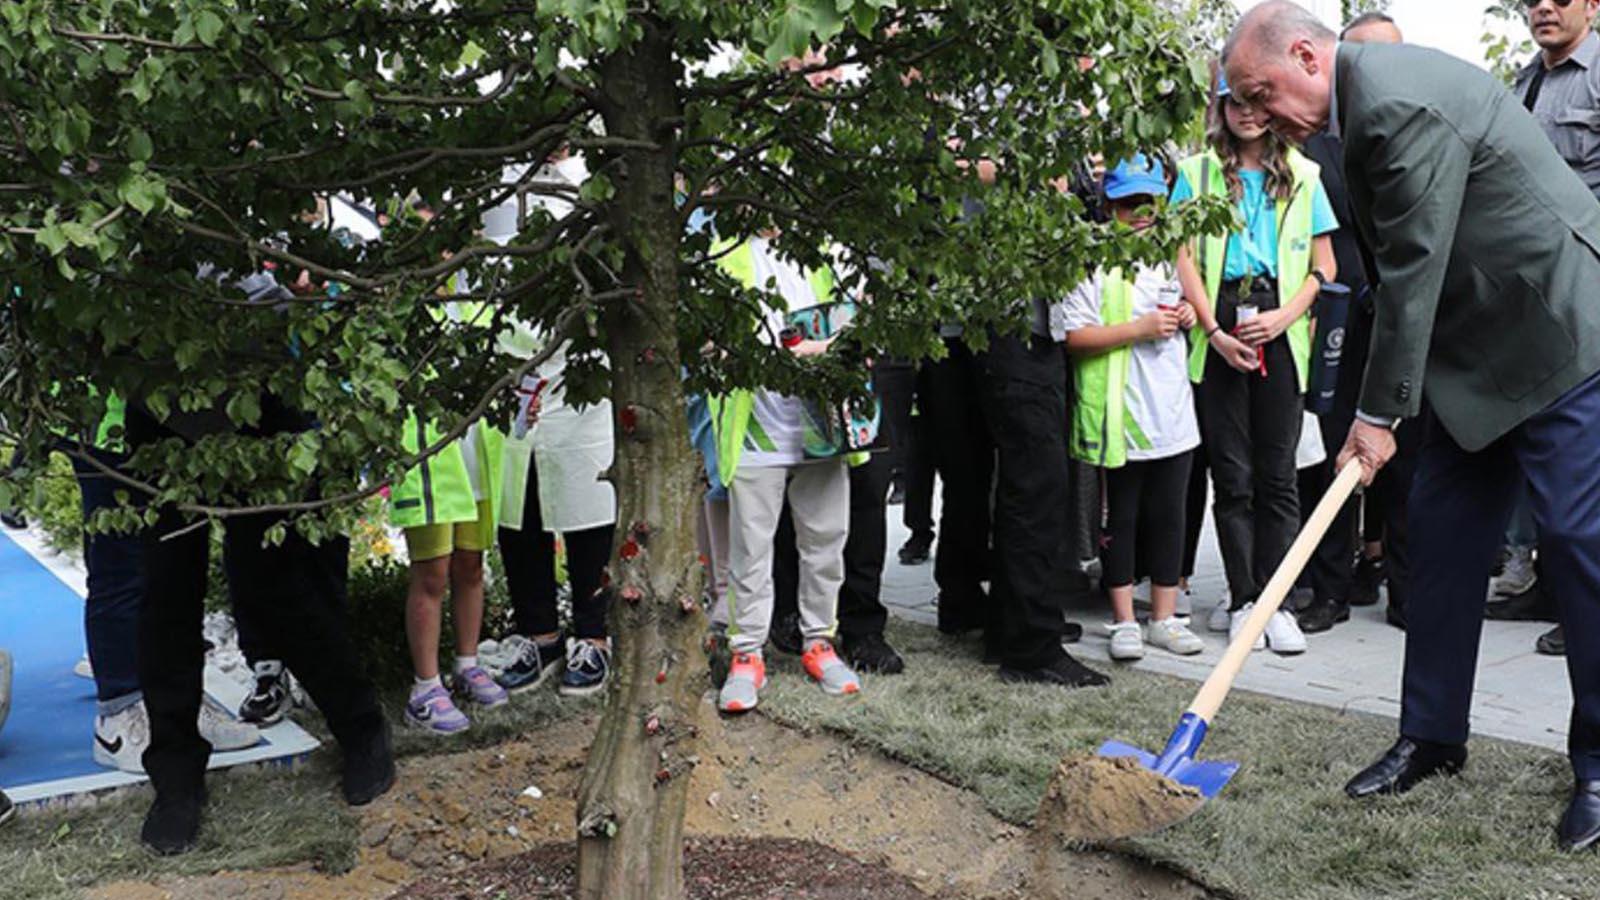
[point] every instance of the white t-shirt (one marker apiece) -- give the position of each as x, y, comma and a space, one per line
1158, 395
777, 435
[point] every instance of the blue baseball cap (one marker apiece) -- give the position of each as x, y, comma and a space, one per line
1136, 176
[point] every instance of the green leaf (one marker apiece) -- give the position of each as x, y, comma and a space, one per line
208, 27
244, 408
356, 90
52, 238
140, 148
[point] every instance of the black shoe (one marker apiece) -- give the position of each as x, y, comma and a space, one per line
8, 810
1532, 605
1552, 642
1405, 764
13, 519
532, 662
785, 634
269, 700
1323, 615
1395, 615
1369, 576
1580, 824
172, 826
1065, 671
369, 767
871, 653
915, 550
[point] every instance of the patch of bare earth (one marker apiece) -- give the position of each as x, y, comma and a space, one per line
459, 823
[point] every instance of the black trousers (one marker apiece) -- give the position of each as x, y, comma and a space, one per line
901, 386
1024, 403
296, 590
529, 556
964, 456
1251, 427
1145, 502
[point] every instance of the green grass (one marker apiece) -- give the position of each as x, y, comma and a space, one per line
1282, 828
258, 816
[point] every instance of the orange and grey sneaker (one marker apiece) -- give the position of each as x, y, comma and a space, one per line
828, 670
746, 677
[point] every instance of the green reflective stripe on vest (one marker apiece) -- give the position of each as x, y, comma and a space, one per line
1100, 419
437, 490
1204, 173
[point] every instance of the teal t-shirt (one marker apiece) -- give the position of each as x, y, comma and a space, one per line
1254, 251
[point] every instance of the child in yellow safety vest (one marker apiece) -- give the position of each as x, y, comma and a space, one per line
1252, 292
1134, 418
446, 506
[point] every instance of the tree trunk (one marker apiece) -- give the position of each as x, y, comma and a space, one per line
631, 802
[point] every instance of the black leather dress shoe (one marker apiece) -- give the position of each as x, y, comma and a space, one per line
1532, 605
1552, 642
1405, 764
1369, 576
1580, 824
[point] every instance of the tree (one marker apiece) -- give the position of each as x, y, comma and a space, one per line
1349, 9
143, 140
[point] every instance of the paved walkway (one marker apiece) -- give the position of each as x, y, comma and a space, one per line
1521, 696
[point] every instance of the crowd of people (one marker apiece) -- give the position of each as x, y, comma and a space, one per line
1074, 459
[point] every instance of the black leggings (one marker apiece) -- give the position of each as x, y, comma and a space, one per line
1145, 503
530, 560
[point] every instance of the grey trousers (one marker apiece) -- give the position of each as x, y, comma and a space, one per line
819, 500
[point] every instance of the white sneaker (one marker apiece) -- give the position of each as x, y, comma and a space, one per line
120, 739
1284, 635
1127, 641
1174, 637
222, 731
1220, 618
1516, 577
1236, 621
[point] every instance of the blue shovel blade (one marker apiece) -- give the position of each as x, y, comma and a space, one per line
1208, 777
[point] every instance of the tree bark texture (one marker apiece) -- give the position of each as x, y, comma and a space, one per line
635, 783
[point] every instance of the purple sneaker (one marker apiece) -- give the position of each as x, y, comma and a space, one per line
480, 687
433, 711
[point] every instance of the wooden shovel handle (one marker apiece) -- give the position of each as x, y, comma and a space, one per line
1211, 694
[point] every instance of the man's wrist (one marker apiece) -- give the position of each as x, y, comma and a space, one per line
1388, 423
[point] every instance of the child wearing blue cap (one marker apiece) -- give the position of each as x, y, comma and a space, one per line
1134, 417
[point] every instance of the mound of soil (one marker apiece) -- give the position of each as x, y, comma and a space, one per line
1096, 799
713, 869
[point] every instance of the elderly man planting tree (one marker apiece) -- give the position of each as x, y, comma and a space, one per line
1487, 247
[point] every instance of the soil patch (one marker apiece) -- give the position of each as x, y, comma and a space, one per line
713, 869
756, 780
1096, 799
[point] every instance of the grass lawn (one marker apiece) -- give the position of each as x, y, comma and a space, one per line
1281, 829
257, 817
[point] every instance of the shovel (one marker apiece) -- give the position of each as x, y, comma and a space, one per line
1175, 774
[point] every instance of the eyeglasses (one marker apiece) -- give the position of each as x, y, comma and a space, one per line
1562, 4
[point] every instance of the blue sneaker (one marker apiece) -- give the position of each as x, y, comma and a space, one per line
433, 711
531, 663
587, 667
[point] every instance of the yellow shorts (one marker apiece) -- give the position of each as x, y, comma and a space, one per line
425, 542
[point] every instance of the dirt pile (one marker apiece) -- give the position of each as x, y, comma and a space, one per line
1095, 799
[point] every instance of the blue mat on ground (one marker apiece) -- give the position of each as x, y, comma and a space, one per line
46, 745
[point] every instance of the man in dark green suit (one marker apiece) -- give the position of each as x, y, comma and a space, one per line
1487, 250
